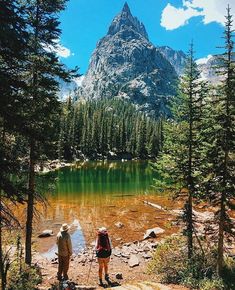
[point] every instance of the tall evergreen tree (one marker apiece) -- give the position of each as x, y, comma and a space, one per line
40, 101
219, 140
12, 47
179, 162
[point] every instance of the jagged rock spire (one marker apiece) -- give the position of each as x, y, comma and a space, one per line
126, 8
126, 65
124, 20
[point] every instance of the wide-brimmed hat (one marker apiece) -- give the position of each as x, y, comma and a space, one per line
64, 228
102, 230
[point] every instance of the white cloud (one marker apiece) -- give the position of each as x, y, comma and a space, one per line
173, 18
203, 60
210, 10
59, 49
63, 51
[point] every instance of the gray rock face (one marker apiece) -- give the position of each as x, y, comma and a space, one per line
208, 69
126, 65
176, 58
124, 21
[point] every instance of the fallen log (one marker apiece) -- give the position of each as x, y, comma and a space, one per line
154, 205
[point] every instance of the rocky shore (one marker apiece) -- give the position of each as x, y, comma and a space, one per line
128, 263
128, 269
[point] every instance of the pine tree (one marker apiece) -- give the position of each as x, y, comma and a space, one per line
179, 162
219, 140
12, 46
41, 106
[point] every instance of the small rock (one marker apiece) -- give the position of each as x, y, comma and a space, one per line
147, 256
127, 244
119, 276
125, 255
54, 262
119, 225
133, 261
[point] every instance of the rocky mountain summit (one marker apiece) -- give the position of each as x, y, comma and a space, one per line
125, 64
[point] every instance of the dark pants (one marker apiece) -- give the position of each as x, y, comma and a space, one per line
63, 267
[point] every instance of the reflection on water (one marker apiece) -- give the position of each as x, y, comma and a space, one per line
94, 179
96, 194
77, 238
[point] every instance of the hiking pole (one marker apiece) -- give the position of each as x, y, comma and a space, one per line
90, 266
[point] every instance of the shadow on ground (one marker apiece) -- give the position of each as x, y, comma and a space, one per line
69, 285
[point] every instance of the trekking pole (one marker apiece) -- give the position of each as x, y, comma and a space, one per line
90, 266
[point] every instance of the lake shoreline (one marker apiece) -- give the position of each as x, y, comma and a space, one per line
128, 264
52, 165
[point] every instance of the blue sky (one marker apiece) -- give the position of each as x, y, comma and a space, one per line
174, 23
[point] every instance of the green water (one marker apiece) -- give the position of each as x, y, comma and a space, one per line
93, 194
105, 178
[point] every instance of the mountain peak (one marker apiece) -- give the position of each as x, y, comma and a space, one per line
124, 20
126, 8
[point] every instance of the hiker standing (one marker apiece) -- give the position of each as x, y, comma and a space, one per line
103, 253
64, 252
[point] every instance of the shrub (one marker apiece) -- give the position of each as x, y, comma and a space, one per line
211, 284
27, 278
169, 260
229, 273
170, 263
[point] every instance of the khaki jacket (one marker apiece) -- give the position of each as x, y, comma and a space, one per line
64, 244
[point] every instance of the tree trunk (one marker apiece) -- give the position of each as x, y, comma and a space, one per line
30, 205
190, 156
2, 272
190, 226
220, 259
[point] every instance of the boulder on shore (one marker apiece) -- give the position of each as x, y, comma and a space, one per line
152, 233
133, 261
46, 234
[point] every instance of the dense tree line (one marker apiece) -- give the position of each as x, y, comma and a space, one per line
198, 156
28, 104
97, 128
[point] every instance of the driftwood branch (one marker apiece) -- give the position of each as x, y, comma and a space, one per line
154, 205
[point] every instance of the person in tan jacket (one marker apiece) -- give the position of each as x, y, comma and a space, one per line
64, 252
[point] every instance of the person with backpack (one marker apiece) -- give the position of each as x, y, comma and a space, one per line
103, 253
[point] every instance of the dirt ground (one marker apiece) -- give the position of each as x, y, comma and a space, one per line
87, 273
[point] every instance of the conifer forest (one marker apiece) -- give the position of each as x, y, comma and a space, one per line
186, 138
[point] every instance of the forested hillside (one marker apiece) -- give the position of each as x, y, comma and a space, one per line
107, 128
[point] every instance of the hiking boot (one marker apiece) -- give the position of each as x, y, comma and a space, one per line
101, 283
106, 277
66, 278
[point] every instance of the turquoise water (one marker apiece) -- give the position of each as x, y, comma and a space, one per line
105, 178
